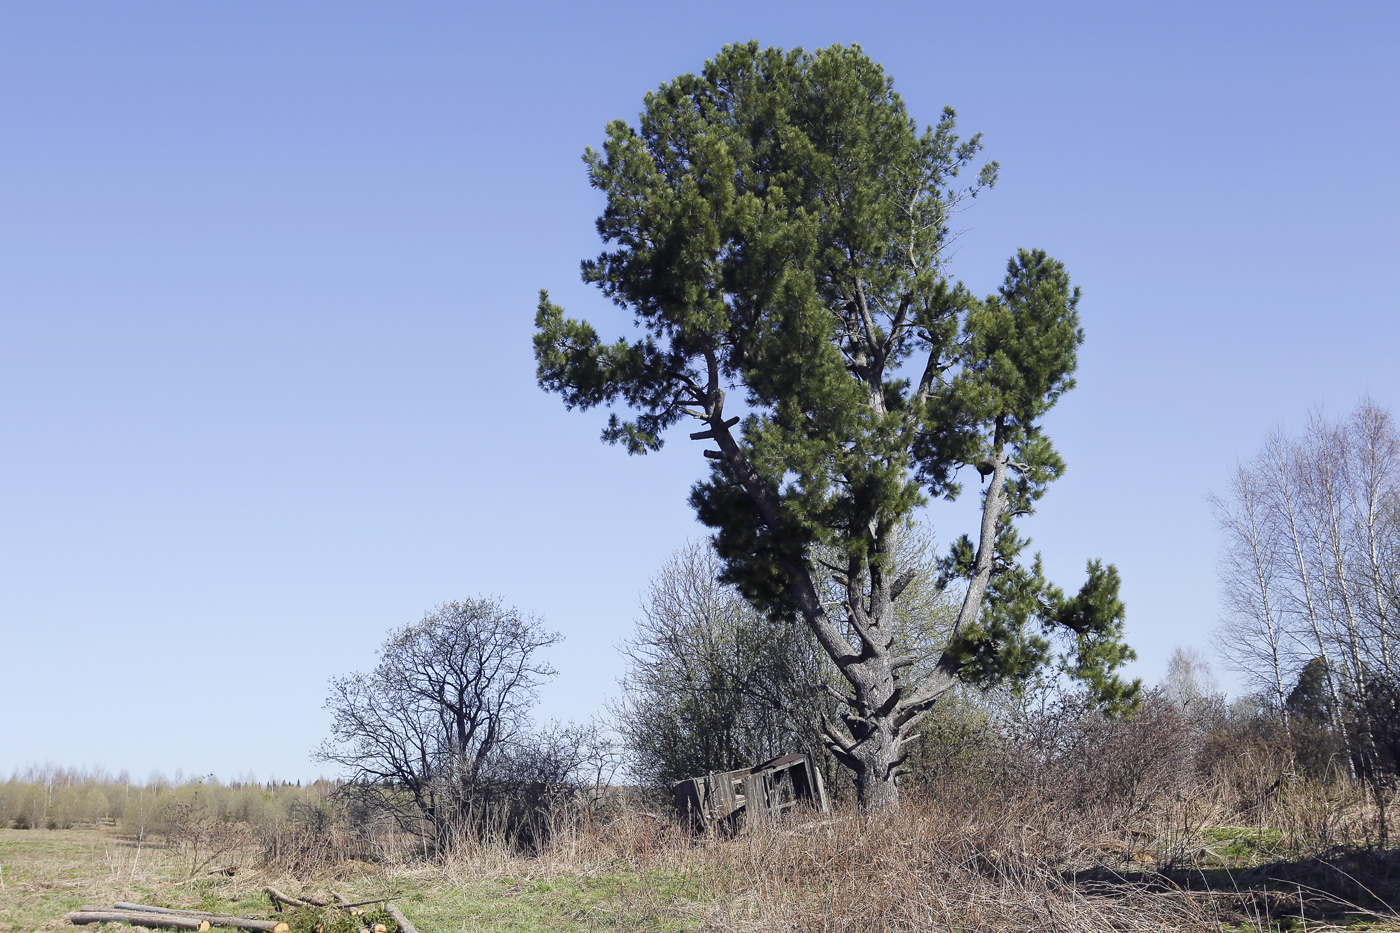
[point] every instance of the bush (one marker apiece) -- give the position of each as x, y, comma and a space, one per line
1062, 748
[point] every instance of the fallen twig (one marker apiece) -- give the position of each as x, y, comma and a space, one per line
377, 900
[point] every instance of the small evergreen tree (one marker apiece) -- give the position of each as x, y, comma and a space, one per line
1310, 700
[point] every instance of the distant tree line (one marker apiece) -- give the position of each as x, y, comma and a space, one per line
52, 797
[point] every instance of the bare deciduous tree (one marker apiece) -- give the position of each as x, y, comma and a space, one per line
1189, 682
1252, 637
713, 683
450, 694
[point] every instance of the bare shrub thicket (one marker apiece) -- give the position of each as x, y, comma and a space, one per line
327, 836
969, 858
1012, 805
1090, 763
200, 838
1158, 787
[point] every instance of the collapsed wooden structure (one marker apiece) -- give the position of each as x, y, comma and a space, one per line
756, 794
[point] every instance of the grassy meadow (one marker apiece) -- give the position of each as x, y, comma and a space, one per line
965, 857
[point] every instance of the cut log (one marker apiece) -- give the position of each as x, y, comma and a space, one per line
218, 920
183, 919
400, 919
278, 899
377, 900
152, 909
247, 923
155, 921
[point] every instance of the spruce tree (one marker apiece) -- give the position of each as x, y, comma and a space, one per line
777, 225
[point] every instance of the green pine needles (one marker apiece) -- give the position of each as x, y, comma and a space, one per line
777, 225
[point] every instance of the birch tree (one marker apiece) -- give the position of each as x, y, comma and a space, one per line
1311, 570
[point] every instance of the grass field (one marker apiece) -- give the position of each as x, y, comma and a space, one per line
918, 869
46, 873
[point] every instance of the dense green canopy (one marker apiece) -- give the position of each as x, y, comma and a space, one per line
777, 225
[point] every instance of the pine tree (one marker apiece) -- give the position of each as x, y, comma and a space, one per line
777, 223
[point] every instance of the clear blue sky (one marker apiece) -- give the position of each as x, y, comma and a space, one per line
267, 281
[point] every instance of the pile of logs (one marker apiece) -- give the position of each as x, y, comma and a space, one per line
168, 918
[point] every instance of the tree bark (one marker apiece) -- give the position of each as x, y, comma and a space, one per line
175, 919
279, 898
154, 920
149, 909
400, 919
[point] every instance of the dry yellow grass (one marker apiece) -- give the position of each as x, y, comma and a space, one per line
964, 863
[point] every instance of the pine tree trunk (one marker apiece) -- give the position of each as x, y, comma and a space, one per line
877, 759
874, 755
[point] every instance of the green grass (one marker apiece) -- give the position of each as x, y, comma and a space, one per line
47, 873
1239, 847
623, 901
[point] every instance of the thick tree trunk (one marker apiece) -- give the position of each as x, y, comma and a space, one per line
876, 762
873, 751
882, 710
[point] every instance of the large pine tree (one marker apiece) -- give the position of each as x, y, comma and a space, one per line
777, 225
